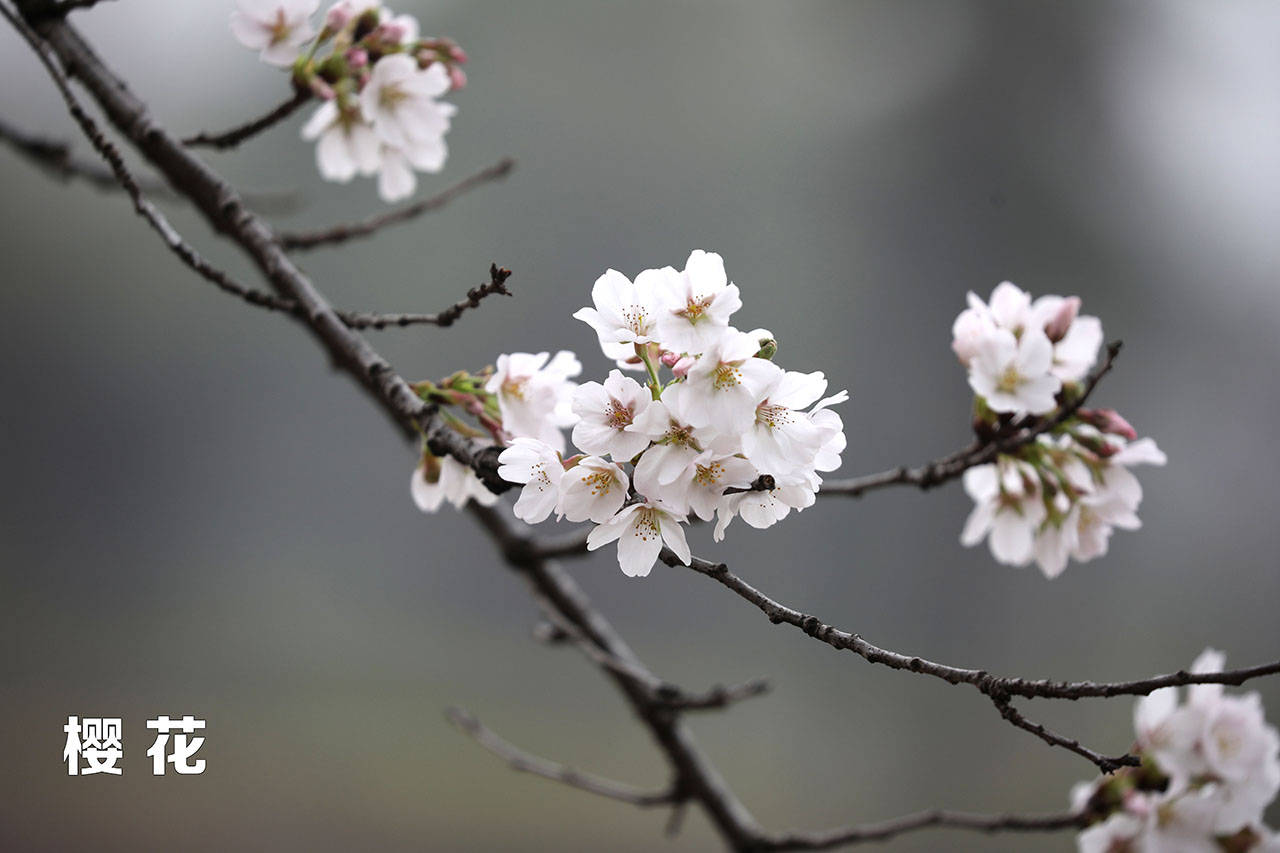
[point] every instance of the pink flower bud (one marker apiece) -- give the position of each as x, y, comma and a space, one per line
1109, 421
321, 89
1058, 325
357, 58
681, 367
392, 32
340, 14
457, 77
457, 54
669, 359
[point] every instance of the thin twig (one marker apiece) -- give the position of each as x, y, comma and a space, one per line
233, 137
341, 233
935, 818
949, 467
526, 762
1104, 763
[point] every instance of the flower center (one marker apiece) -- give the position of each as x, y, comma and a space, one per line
647, 526
514, 386
636, 318
616, 415
1009, 380
280, 29
726, 377
772, 417
708, 475
601, 483
695, 309
391, 97
680, 435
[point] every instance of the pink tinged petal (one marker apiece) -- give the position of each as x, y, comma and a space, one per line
982, 483
249, 32
395, 180
1204, 695
365, 148
535, 503
333, 157
1035, 353
1011, 539
673, 535
1142, 451
281, 54
978, 524
1037, 397
1151, 712
1010, 305
320, 120
428, 155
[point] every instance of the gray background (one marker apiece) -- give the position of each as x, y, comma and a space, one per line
200, 517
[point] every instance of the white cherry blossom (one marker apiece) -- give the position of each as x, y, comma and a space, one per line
640, 531
700, 486
1012, 374
676, 441
695, 305
624, 313
535, 465
276, 28
347, 144
1007, 511
449, 480
762, 509
605, 411
783, 439
535, 395
594, 489
726, 382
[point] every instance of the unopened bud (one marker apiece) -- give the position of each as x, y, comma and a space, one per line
368, 21
430, 467
669, 358
340, 14
392, 32
1058, 325
768, 349
457, 77
1109, 421
456, 53
357, 58
681, 367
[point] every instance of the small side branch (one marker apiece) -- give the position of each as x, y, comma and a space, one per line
948, 468
1103, 763
233, 137
341, 233
526, 762
936, 818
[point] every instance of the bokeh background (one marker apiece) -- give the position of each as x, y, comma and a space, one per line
201, 517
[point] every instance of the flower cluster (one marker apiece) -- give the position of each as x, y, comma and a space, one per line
1210, 766
699, 442
1061, 495
379, 81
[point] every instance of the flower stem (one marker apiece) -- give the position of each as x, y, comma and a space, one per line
655, 386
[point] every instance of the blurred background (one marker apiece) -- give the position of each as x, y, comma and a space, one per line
201, 517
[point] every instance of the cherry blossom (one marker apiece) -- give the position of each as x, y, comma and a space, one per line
700, 485
604, 413
593, 489
534, 395
625, 312
640, 531
276, 28
347, 144
1012, 374
783, 439
446, 479
537, 466
1007, 512
725, 383
696, 304
762, 509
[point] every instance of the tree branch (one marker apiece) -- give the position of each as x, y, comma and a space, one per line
526, 762
1103, 763
233, 137
949, 467
926, 820
341, 233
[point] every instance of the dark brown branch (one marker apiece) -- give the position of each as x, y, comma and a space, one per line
233, 137
65, 6
947, 468
926, 820
342, 233
1103, 763
526, 762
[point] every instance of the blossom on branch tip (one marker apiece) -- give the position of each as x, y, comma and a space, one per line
535, 395
276, 28
724, 385
1012, 374
624, 312
347, 145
